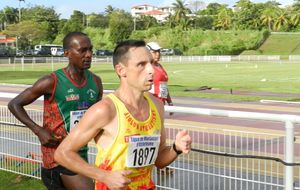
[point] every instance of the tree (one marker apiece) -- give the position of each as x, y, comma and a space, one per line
295, 19
75, 23
46, 17
281, 20
120, 29
109, 9
2, 21
212, 9
97, 20
296, 5
170, 21
204, 21
195, 5
8, 16
144, 22
180, 10
247, 14
268, 17
224, 20
28, 33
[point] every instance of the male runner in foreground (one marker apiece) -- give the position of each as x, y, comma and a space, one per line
128, 128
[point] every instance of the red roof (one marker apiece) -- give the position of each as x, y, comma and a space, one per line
154, 12
7, 40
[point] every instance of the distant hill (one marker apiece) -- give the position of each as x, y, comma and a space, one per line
278, 44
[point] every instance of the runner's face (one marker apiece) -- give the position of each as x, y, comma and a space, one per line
139, 69
155, 55
80, 53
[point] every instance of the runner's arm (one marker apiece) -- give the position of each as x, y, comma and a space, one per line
167, 154
99, 85
169, 99
42, 87
90, 125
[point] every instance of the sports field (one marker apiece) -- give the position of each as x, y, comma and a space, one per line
229, 80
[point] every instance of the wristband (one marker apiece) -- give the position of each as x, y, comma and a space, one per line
177, 151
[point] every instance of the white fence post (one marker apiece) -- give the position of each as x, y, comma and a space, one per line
22, 62
52, 64
289, 155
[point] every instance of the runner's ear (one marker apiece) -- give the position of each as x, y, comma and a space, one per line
66, 52
120, 70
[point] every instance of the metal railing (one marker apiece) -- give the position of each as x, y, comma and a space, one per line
222, 158
22, 61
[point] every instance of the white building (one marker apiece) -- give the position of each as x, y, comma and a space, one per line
159, 13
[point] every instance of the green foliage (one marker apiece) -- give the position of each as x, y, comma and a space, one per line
8, 15
75, 23
198, 42
204, 22
97, 20
145, 22
120, 25
99, 38
139, 35
28, 32
11, 181
46, 17
179, 31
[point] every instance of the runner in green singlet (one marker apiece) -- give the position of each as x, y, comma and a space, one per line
68, 93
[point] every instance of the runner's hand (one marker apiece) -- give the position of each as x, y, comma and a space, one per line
117, 180
48, 139
171, 113
183, 141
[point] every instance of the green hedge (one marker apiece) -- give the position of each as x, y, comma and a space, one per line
191, 42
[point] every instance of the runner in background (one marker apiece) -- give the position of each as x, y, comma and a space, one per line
128, 128
68, 93
160, 84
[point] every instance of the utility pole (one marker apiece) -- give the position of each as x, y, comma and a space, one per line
134, 23
20, 9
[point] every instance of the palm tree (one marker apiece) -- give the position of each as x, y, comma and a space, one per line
296, 5
148, 21
295, 19
10, 15
281, 20
267, 17
180, 11
2, 21
171, 21
109, 9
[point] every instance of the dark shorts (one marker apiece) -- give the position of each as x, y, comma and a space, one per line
51, 177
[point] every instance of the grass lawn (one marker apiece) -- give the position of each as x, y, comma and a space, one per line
281, 44
276, 77
11, 181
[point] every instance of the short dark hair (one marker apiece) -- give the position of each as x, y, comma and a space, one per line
122, 49
68, 38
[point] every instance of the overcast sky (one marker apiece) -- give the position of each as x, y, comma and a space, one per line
66, 7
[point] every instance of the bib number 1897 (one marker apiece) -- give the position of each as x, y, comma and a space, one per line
143, 156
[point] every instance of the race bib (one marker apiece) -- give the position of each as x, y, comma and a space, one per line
75, 116
163, 90
142, 150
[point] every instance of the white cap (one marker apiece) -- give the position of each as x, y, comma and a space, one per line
153, 46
